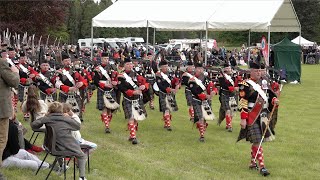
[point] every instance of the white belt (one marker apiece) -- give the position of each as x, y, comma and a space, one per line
250, 105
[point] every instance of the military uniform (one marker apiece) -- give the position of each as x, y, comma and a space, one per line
45, 84
227, 98
64, 80
150, 68
200, 87
106, 95
185, 81
255, 104
25, 72
132, 104
167, 99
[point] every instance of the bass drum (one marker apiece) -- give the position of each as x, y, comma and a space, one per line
155, 89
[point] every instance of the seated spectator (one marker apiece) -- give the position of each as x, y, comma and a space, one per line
67, 110
23, 143
14, 156
33, 105
63, 125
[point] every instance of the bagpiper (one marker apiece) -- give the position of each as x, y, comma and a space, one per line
44, 81
27, 75
254, 105
227, 96
150, 68
104, 78
167, 92
78, 67
69, 82
132, 87
202, 90
185, 81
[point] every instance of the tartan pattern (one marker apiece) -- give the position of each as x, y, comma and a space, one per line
189, 98
163, 103
100, 102
127, 108
21, 92
224, 101
150, 91
254, 134
44, 95
63, 98
197, 109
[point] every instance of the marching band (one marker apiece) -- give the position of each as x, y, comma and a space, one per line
66, 76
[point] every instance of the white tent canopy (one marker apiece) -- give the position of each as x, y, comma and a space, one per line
303, 41
254, 15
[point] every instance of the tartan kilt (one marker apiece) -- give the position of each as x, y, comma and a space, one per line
150, 92
224, 100
189, 98
163, 103
44, 95
21, 89
100, 102
254, 133
127, 108
197, 109
63, 98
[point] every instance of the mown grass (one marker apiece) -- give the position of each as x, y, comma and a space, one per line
179, 155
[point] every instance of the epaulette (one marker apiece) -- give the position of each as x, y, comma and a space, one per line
244, 83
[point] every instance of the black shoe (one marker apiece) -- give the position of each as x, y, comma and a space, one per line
134, 141
201, 139
81, 119
152, 107
230, 129
107, 130
264, 172
254, 167
169, 128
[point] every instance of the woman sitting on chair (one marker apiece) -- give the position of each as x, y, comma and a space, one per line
63, 126
33, 105
13, 156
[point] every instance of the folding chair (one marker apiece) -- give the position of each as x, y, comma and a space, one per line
49, 146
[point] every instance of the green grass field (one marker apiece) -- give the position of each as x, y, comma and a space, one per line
179, 155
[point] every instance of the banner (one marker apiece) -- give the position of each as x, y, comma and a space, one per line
265, 49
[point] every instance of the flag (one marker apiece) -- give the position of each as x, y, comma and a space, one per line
265, 49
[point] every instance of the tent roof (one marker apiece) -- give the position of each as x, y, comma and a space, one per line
255, 15
287, 43
303, 41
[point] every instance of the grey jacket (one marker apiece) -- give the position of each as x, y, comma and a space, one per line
7, 79
62, 126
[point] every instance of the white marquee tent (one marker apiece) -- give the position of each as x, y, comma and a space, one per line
215, 15
302, 41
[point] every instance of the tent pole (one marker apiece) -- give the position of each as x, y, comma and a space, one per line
268, 54
249, 39
91, 41
154, 37
300, 36
147, 36
206, 47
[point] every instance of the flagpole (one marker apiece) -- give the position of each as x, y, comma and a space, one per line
268, 53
